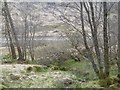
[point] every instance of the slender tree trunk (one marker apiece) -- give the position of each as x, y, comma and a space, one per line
86, 45
25, 37
7, 39
118, 61
105, 37
109, 41
94, 38
12, 48
31, 39
32, 55
13, 32
8, 42
8, 30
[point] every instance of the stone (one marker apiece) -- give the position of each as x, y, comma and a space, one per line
14, 76
67, 81
32, 73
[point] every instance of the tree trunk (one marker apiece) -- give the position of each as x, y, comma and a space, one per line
118, 61
105, 37
13, 32
94, 38
7, 42
25, 37
8, 30
32, 46
86, 45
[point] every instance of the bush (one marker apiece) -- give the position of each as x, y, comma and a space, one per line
109, 82
9, 61
8, 56
36, 68
58, 66
29, 69
64, 69
54, 67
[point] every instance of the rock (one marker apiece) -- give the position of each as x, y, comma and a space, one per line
32, 77
23, 77
13, 66
32, 73
14, 76
1, 80
67, 81
43, 75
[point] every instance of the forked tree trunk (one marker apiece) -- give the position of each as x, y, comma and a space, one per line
86, 45
94, 38
8, 30
13, 32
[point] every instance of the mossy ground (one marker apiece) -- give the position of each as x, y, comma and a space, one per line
38, 76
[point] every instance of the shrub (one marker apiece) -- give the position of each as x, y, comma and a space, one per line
9, 61
110, 82
29, 69
58, 66
63, 68
54, 67
8, 56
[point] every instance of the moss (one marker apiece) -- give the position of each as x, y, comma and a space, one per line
37, 68
14, 77
9, 61
110, 82
115, 80
8, 56
106, 82
63, 68
55, 67
2, 86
